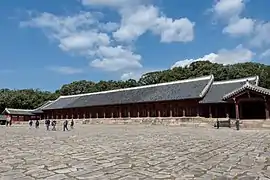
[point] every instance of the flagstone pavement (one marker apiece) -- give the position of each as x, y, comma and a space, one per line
133, 152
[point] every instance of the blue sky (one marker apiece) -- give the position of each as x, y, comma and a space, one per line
45, 44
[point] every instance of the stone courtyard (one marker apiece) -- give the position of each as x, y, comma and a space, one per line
133, 152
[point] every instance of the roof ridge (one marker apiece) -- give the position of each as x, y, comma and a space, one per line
142, 87
250, 78
207, 87
19, 109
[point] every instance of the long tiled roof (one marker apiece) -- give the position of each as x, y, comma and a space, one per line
39, 109
220, 88
29, 112
22, 112
178, 90
247, 86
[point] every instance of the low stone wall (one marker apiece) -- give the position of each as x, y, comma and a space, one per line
174, 121
252, 124
181, 121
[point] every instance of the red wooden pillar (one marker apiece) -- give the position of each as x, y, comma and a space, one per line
90, 115
236, 109
184, 112
138, 111
129, 111
97, 115
120, 112
170, 110
227, 111
148, 110
198, 111
210, 111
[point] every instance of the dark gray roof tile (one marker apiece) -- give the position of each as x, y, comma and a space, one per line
19, 112
247, 86
39, 109
177, 90
220, 88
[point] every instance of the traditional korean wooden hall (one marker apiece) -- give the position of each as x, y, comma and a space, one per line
16, 115
198, 97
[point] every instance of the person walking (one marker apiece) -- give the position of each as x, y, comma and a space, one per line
53, 125
30, 123
237, 124
37, 124
217, 124
65, 125
47, 122
72, 124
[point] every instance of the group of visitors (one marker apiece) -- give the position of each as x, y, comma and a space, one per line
53, 124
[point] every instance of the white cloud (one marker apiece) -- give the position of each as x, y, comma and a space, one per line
82, 34
116, 59
227, 9
107, 44
179, 30
84, 40
265, 54
137, 21
223, 56
136, 74
261, 35
240, 26
66, 70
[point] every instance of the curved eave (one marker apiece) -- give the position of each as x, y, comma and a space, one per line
247, 86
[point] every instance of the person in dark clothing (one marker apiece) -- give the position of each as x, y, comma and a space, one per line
53, 125
37, 123
72, 124
30, 123
48, 122
217, 124
237, 124
65, 125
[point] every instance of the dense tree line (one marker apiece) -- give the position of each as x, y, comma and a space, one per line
31, 98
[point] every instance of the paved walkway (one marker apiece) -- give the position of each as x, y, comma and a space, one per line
133, 152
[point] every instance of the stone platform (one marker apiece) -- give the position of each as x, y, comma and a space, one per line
133, 152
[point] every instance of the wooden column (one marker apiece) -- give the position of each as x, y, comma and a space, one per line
129, 111
62, 116
210, 111
120, 113
171, 112
112, 115
97, 115
227, 111
148, 111
236, 109
90, 115
138, 111
184, 112
158, 112
84, 116
198, 111
104, 114
266, 108
72, 116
